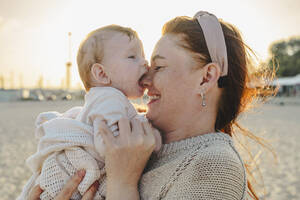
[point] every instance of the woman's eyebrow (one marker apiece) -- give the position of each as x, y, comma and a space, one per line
157, 57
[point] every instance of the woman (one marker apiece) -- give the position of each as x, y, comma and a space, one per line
198, 85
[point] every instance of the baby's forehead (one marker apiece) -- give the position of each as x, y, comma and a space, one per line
121, 40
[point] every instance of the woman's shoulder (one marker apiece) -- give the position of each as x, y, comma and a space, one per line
217, 146
213, 147
217, 154
213, 168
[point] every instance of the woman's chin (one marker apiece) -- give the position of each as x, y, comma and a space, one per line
149, 115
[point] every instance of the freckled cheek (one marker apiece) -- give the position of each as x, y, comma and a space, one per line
159, 82
174, 80
177, 86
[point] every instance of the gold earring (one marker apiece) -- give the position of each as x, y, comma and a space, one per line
203, 99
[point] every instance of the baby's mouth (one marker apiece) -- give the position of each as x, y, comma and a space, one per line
140, 81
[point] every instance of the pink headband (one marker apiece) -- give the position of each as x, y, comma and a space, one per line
215, 40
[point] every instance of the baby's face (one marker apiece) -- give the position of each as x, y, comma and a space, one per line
125, 64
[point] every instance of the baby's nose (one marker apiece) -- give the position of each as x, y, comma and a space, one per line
146, 80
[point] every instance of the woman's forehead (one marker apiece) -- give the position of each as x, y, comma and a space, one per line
168, 47
168, 40
162, 48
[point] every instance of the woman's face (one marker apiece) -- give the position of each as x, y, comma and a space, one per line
171, 83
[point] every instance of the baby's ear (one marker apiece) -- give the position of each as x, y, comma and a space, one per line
98, 74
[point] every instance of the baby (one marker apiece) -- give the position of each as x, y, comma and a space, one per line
111, 62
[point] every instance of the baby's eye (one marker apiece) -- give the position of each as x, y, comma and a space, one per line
132, 57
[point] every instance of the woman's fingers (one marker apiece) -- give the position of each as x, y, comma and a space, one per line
35, 193
137, 127
71, 186
150, 135
138, 136
90, 193
124, 126
105, 132
148, 128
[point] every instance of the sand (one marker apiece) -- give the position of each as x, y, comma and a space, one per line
279, 124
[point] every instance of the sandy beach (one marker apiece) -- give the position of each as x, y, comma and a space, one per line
277, 123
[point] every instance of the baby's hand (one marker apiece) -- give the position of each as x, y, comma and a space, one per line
46, 116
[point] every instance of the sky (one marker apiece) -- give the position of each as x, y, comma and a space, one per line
34, 33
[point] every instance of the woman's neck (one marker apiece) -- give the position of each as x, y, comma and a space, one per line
177, 135
186, 128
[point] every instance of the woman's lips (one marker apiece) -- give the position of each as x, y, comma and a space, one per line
153, 99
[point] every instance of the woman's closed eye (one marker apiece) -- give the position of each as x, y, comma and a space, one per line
132, 57
157, 68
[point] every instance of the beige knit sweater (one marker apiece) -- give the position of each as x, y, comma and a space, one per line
202, 167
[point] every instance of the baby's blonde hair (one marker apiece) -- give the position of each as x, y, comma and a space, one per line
91, 49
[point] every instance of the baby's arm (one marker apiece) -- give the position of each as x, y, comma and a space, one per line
72, 113
46, 116
111, 108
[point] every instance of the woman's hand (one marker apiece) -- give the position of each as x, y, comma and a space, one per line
126, 156
68, 189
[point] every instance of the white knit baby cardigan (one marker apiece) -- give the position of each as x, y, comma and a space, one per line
71, 141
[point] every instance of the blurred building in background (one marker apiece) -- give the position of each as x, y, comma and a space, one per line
288, 86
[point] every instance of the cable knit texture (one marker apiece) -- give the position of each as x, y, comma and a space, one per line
202, 167
71, 141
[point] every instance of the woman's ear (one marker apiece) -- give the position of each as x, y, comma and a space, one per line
98, 74
210, 76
